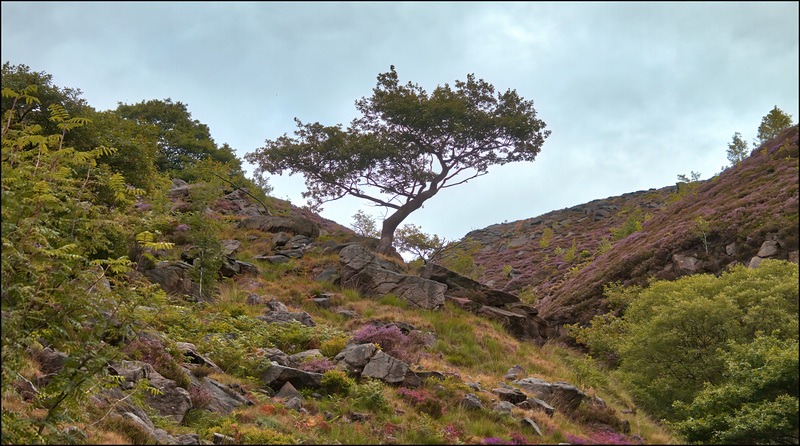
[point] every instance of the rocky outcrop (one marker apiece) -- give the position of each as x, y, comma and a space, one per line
521, 320
464, 287
367, 360
174, 278
276, 375
364, 271
172, 402
564, 396
276, 224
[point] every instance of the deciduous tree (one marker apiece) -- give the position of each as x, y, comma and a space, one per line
772, 124
737, 149
408, 145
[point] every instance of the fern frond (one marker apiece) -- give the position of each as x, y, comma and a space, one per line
58, 113
63, 252
103, 151
145, 237
160, 245
41, 187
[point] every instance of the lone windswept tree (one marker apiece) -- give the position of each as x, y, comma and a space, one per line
407, 146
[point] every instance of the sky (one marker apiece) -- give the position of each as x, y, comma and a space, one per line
635, 94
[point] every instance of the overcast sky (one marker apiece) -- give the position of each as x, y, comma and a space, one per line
634, 93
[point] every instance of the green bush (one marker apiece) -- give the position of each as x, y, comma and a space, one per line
673, 337
757, 403
336, 382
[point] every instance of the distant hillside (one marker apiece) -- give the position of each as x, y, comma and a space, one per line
739, 210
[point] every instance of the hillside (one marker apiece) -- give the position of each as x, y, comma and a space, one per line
750, 207
149, 297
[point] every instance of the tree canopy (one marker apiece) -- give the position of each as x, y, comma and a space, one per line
772, 124
407, 145
182, 141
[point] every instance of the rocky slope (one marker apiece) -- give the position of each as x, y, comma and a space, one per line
747, 212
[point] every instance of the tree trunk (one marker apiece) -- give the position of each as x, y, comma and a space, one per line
394, 220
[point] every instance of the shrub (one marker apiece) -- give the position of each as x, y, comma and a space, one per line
369, 395
333, 346
337, 382
200, 397
317, 365
390, 339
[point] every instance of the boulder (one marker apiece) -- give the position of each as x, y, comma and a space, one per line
464, 287
514, 396
288, 392
519, 326
561, 395
768, 249
230, 246
514, 373
224, 400
356, 356
174, 278
686, 264
363, 270
530, 424
190, 352
173, 402
276, 375
471, 402
276, 224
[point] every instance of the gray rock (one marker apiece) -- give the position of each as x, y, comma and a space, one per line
275, 305
276, 224
686, 264
471, 402
273, 260
291, 253
562, 395
464, 287
386, 368
356, 356
277, 375
514, 373
298, 242
255, 299
288, 392
280, 239
322, 302
331, 274
503, 407
362, 270
511, 395
518, 325
230, 246
174, 278
190, 352
528, 423
294, 403
768, 249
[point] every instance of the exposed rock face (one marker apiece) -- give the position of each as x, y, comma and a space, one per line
561, 395
173, 402
366, 272
464, 287
367, 360
174, 278
276, 224
277, 375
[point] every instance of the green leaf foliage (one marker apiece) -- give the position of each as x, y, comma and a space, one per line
756, 404
64, 285
670, 339
408, 145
